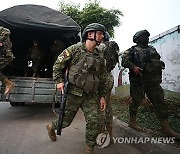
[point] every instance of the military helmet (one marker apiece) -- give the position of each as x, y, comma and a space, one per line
35, 41
140, 33
93, 27
106, 36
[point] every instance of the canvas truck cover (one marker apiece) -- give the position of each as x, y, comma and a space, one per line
35, 22
27, 18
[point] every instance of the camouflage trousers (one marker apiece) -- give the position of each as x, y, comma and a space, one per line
89, 105
106, 118
155, 94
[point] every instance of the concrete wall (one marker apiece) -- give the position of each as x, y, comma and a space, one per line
168, 46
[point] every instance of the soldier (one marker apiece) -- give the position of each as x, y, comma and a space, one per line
6, 57
111, 50
86, 88
145, 77
36, 54
56, 49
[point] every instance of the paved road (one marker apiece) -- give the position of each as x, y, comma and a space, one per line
22, 131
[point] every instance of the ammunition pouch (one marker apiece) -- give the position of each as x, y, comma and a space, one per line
154, 70
155, 65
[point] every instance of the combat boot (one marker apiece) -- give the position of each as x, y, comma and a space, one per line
51, 132
89, 149
109, 130
166, 129
9, 85
133, 124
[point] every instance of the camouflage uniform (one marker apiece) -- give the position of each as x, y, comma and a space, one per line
149, 83
6, 55
145, 77
77, 97
108, 111
36, 54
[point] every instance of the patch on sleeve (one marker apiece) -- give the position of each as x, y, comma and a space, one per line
66, 54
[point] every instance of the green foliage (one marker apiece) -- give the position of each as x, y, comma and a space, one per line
170, 95
93, 12
72, 10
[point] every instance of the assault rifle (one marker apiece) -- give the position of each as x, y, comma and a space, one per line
62, 108
142, 84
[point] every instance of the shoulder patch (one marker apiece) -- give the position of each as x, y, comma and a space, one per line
66, 53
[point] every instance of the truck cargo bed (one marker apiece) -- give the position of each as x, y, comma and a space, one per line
28, 89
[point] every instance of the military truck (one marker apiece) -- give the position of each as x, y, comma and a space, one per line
26, 23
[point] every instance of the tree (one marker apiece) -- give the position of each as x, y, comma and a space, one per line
72, 10
93, 12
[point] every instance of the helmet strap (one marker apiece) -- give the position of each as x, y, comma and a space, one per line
94, 39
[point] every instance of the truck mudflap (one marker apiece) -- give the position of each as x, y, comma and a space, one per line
29, 89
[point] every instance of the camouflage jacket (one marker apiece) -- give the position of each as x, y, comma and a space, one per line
68, 58
146, 58
6, 45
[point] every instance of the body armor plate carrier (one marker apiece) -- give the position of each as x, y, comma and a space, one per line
85, 73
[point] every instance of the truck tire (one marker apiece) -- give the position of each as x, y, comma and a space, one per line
17, 103
13, 103
20, 103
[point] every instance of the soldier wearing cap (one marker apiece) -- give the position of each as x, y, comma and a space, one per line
145, 78
6, 57
56, 49
87, 82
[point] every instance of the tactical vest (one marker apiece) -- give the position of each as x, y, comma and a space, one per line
150, 60
85, 73
135, 56
150, 63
